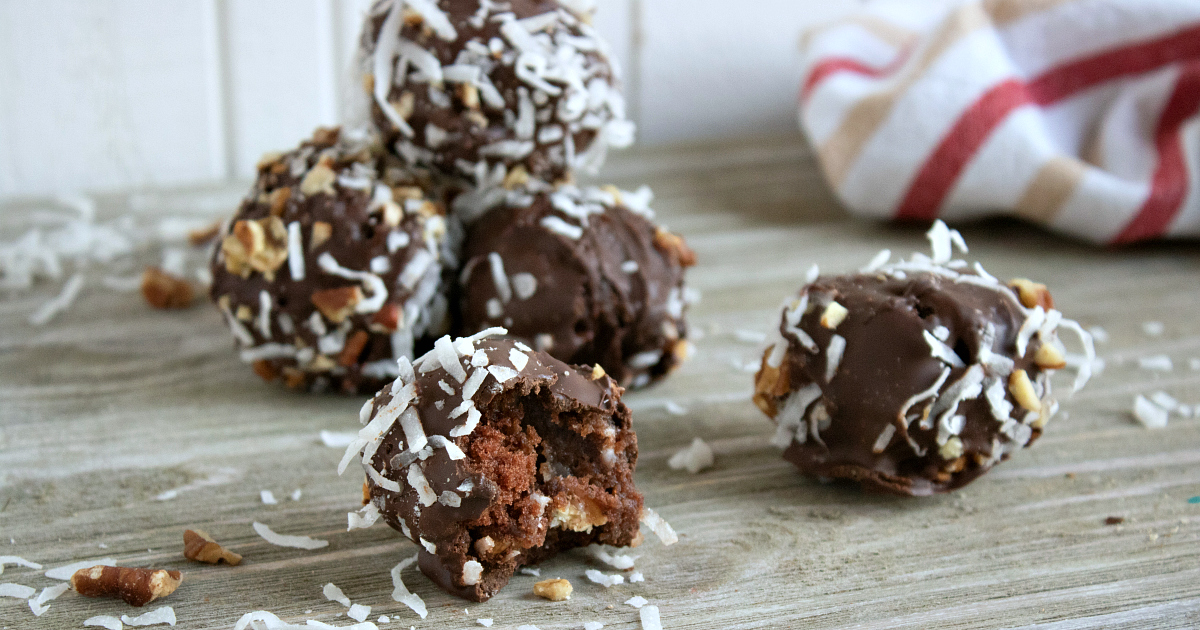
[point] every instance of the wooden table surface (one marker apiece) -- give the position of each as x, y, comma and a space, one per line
113, 403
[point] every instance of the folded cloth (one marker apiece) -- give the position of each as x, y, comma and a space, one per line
1081, 115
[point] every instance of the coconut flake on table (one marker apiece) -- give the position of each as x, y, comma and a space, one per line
296, 494
659, 526
694, 458
39, 604
636, 576
66, 571
401, 593
359, 612
674, 408
166, 615
58, 304
1157, 362
1149, 414
649, 618
19, 561
530, 571
750, 336
486, 623
286, 540
1153, 329
618, 561
637, 601
335, 594
104, 621
268, 497
19, 591
603, 579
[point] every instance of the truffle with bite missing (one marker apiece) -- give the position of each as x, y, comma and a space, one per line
914, 377
332, 266
492, 456
510, 91
583, 274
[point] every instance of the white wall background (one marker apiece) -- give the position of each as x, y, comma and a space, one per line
107, 94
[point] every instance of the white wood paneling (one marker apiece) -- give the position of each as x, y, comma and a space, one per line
714, 68
281, 64
107, 93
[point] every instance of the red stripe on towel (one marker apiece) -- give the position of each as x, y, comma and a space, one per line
1169, 184
942, 168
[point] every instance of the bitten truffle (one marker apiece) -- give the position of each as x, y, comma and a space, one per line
583, 274
491, 456
332, 266
914, 377
466, 86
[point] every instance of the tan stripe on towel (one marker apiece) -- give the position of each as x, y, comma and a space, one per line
840, 151
1050, 189
888, 32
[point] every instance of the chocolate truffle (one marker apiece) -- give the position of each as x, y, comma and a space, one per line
583, 274
332, 266
469, 86
492, 456
913, 378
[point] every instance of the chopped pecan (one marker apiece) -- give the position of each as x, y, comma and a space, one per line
674, 245
833, 315
353, 348
268, 159
204, 235
770, 384
406, 105
555, 590
1049, 357
199, 546
326, 136
165, 290
137, 587
517, 177
256, 245
321, 231
1022, 391
294, 378
278, 200
580, 515
469, 95
265, 370
387, 319
1032, 293
337, 304
319, 179
597, 372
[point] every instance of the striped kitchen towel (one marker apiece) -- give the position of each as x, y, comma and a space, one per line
1080, 115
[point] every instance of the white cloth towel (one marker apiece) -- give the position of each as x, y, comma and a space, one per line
1081, 115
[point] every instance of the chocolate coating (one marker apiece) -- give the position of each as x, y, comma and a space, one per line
544, 99
371, 248
583, 277
863, 424
545, 460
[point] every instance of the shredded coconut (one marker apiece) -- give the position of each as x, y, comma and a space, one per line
19, 561
285, 540
104, 621
649, 618
694, 458
637, 601
66, 571
1149, 414
401, 593
18, 591
603, 579
620, 561
166, 615
659, 526
362, 518
1158, 363
335, 594
268, 497
1153, 329
358, 612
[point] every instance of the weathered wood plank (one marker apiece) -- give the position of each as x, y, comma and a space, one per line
113, 404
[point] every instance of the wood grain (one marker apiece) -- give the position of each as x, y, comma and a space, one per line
113, 404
